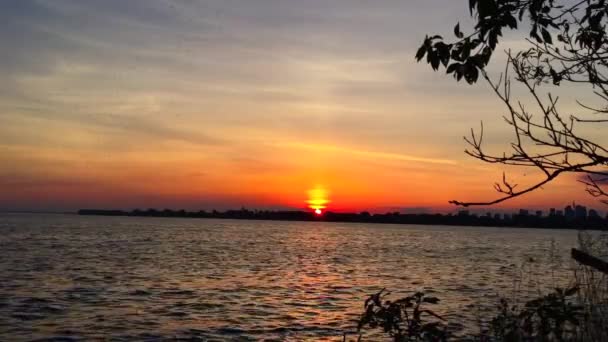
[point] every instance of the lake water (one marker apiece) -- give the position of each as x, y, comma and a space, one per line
75, 277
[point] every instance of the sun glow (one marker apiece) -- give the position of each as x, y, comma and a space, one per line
318, 198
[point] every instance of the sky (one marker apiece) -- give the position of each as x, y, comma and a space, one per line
203, 104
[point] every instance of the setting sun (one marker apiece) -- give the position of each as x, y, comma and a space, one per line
318, 198
288, 170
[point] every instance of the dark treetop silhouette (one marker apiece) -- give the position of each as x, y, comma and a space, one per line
567, 44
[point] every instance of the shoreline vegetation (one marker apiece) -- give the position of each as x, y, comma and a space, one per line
463, 218
576, 312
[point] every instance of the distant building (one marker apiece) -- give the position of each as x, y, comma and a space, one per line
463, 213
580, 212
569, 212
552, 212
539, 213
559, 213
497, 217
593, 214
523, 212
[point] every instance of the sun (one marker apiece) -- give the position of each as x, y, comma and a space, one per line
318, 199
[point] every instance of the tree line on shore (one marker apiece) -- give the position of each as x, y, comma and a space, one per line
463, 218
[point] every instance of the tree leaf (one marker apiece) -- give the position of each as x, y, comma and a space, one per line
453, 67
472, 4
546, 36
457, 32
434, 60
421, 52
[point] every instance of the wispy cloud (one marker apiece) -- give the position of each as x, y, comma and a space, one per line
598, 179
365, 153
154, 86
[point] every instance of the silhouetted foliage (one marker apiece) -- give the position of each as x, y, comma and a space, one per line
567, 43
405, 319
553, 317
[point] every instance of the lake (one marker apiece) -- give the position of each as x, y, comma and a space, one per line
124, 278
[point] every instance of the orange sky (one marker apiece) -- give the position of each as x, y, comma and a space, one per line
222, 104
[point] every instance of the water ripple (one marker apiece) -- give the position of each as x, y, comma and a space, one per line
71, 278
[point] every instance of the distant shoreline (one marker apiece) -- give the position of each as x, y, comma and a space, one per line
38, 212
515, 221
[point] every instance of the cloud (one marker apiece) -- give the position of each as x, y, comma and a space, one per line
21, 181
29, 129
599, 179
108, 81
151, 127
365, 153
404, 210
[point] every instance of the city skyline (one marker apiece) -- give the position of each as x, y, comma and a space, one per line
576, 216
